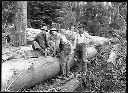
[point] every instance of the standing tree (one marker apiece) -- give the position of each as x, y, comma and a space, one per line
20, 23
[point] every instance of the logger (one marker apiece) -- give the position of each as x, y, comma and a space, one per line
63, 47
40, 42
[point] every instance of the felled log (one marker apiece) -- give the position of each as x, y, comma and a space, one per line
14, 53
31, 33
7, 57
70, 35
23, 73
90, 52
96, 39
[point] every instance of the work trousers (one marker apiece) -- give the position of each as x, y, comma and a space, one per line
81, 55
64, 55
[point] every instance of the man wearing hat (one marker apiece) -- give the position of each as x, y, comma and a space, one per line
41, 41
52, 37
80, 43
63, 48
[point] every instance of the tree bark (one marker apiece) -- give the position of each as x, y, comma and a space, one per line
20, 23
23, 73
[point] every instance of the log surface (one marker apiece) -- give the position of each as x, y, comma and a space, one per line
22, 73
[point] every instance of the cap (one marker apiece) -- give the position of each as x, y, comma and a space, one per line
44, 28
53, 29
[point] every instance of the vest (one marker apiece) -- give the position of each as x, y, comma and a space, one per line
80, 38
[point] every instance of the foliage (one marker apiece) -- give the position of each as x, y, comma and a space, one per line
97, 16
106, 77
7, 13
68, 14
67, 19
44, 11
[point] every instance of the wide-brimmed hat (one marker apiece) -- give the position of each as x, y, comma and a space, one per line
44, 28
53, 29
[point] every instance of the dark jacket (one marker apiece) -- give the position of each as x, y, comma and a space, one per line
41, 39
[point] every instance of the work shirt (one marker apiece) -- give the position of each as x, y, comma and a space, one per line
41, 39
82, 42
62, 44
80, 38
84, 38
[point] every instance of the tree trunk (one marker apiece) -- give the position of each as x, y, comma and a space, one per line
23, 73
20, 23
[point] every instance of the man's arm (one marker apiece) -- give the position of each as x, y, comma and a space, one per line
47, 43
50, 47
57, 45
75, 41
40, 40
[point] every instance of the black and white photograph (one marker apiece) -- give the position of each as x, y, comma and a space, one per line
64, 46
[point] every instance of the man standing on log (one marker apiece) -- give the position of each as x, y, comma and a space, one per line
41, 41
63, 46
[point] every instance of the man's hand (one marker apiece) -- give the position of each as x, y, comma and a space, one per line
46, 52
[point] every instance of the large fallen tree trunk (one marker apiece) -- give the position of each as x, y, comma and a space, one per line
23, 73
31, 33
